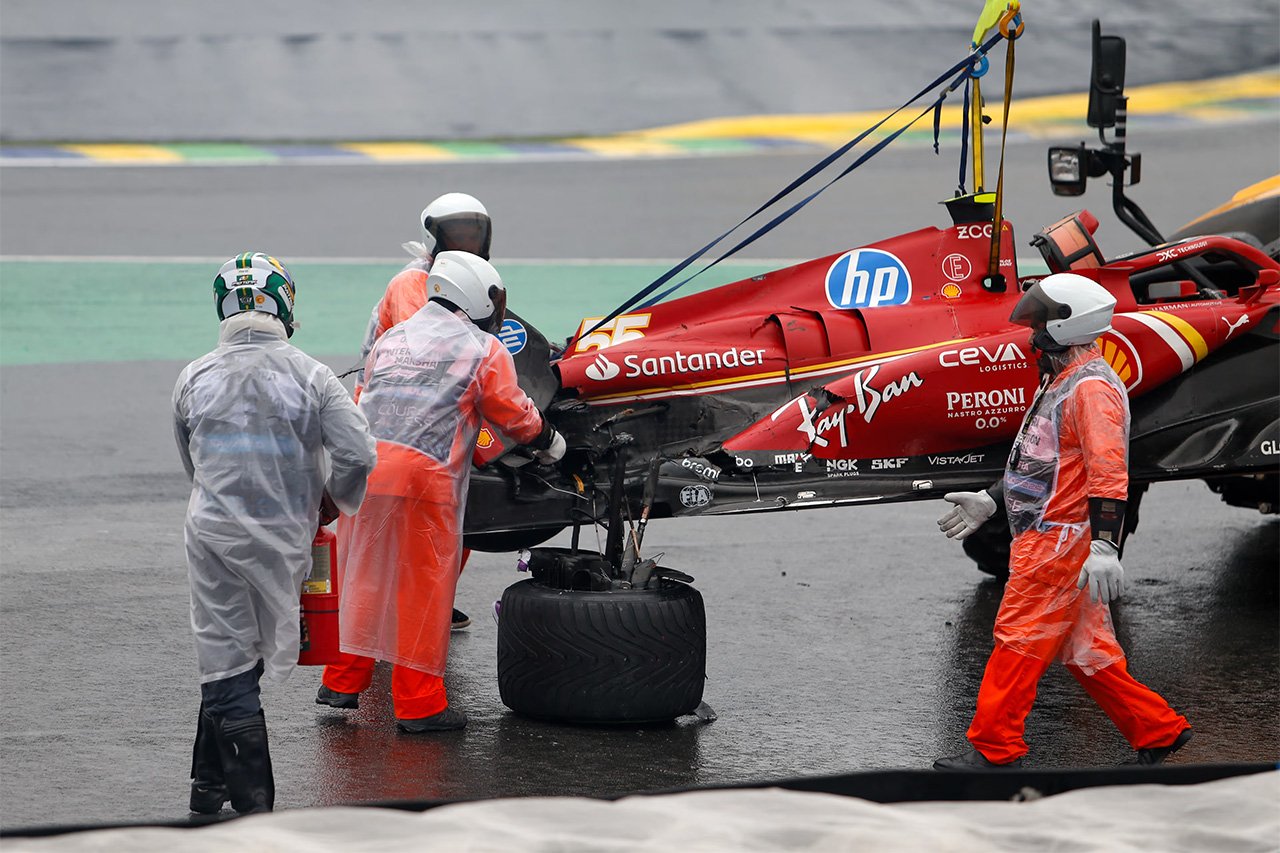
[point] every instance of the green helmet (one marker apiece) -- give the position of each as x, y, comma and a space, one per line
254, 281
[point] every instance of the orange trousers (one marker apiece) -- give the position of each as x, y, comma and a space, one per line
414, 694
1009, 690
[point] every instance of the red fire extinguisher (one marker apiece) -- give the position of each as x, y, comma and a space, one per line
319, 624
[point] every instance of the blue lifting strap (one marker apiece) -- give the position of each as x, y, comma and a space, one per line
964, 69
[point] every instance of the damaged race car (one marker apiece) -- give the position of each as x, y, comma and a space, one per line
885, 372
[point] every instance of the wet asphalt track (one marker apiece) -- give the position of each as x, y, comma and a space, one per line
840, 640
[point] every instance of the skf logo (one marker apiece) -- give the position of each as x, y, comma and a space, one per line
485, 439
888, 464
602, 369
623, 328
1121, 354
868, 278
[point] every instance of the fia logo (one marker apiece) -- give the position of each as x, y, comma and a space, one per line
602, 369
868, 278
696, 496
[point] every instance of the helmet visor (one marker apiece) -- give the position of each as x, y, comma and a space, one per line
1036, 308
462, 232
498, 296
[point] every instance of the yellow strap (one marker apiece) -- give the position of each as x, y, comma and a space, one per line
998, 222
992, 10
975, 118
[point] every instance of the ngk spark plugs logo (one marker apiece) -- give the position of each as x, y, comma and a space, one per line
993, 409
602, 369
868, 278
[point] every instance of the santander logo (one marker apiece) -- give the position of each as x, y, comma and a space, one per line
602, 369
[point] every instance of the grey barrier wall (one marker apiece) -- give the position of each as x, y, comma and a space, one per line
263, 70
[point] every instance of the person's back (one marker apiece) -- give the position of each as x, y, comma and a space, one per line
427, 395
251, 449
430, 381
265, 432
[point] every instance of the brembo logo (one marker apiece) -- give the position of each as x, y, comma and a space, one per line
602, 369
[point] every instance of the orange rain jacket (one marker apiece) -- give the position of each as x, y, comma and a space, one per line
405, 294
1073, 446
430, 381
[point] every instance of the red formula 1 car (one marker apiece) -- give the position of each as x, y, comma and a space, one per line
885, 372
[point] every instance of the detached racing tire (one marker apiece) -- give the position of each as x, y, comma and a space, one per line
619, 656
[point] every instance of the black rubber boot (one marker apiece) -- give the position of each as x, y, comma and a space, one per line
447, 720
246, 763
973, 760
208, 791
337, 699
1157, 754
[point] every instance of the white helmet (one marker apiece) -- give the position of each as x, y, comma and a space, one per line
457, 222
1065, 310
468, 282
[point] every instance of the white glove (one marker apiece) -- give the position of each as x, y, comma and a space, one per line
554, 452
1102, 572
970, 511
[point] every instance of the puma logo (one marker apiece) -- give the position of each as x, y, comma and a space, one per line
1231, 327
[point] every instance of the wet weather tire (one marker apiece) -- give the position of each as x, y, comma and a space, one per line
622, 656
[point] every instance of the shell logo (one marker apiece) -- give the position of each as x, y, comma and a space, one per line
1121, 354
951, 291
485, 439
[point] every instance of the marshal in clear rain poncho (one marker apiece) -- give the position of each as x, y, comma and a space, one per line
263, 430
